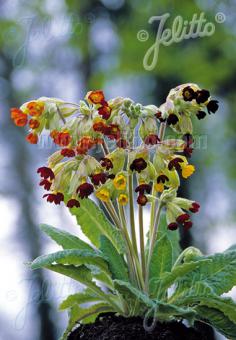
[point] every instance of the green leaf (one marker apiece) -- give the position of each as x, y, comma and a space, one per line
102, 276
79, 298
168, 279
173, 236
70, 256
65, 239
84, 315
136, 293
218, 320
116, 263
161, 262
219, 273
94, 223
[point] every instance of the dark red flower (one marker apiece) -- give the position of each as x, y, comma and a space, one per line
151, 139
212, 106
46, 172
174, 163
162, 179
54, 198
188, 138
142, 188
112, 131
195, 207
68, 153
105, 111
201, 114
122, 143
99, 178
188, 151
106, 163
172, 119
202, 96
188, 94
188, 225
138, 165
158, 115
73, 203
46, 184
99, 126
111, 176
142, 200
85, 190
172, 226
182, 218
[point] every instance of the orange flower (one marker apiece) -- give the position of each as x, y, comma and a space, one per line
32, 138
15, 112
99, 126
21, 120
34, 123
84, 144
35, 108
62, 138
96, 97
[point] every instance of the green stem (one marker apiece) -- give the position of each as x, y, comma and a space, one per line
141, 236
131, 214
153, 237
135, 261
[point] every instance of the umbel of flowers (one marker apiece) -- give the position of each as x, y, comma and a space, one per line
131, 138
114, 154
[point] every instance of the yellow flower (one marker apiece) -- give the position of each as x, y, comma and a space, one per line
123, 199
120, 182
103, 195
187, 170
159, 187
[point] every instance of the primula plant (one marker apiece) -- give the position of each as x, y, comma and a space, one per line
112, 163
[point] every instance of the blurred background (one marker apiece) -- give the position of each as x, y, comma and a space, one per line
65, 48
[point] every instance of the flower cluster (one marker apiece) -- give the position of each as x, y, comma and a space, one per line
98, 156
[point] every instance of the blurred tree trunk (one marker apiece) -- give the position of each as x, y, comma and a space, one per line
27, 233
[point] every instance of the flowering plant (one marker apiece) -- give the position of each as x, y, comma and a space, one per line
113, 161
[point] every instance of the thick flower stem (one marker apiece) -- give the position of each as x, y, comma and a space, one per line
153, 237
131, 214
141, 236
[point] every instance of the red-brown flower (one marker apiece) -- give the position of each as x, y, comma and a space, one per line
46, 172
195, 207
84, 145
106, 163
182, 218
73, 203
67, 153
46, 184
112, 131
174, 163
85, 190
138, 165
162, 179
142, 200
151, 139
54, 198
142, 188
173, 226
105, 111
99, 178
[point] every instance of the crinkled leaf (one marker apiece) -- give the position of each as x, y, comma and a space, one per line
79, 298
70, 256
161, 262
217, 319
84, 315
65, 239
94, 223
116, 263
